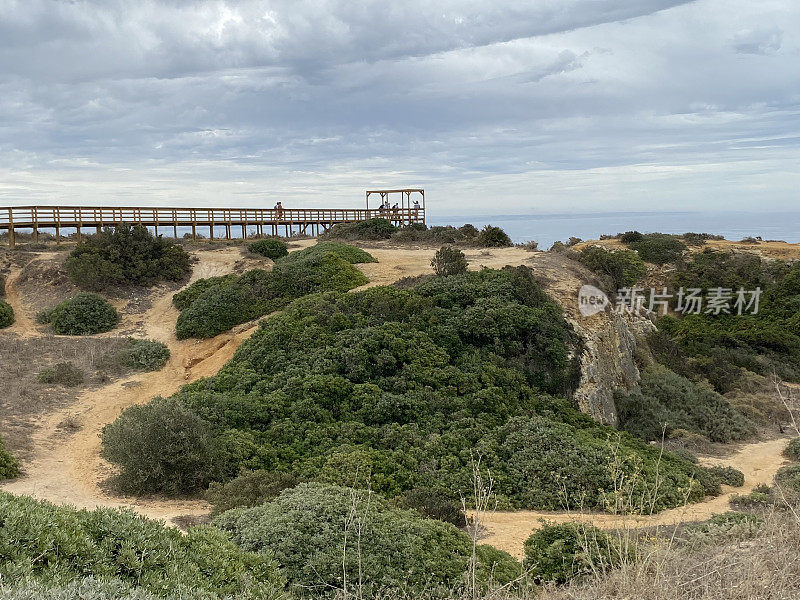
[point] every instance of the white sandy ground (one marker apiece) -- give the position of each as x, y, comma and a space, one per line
69, 470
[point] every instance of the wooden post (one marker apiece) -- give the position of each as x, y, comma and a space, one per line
11, 240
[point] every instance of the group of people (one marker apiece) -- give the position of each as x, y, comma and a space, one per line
384, 208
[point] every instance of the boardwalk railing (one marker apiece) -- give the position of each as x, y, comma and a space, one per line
265, 221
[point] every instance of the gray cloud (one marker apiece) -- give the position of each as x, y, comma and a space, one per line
178, 100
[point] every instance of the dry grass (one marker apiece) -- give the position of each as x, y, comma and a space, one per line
765, 566
24, 399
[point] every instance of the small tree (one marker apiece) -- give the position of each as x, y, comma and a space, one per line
449, 261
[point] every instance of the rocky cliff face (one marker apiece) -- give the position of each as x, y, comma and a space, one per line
607, 361
608, 356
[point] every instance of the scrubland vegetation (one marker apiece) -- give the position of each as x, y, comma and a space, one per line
125, 256
211, 306
9, 467
6, 315
402, 385
271, 248
382, 229
85, 314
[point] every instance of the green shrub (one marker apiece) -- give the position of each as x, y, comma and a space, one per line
125, 256
723, 528
371, 229
792, 450
666, 401
271, 248
307, 529
64, 373
85, 314
496, 567
164, 447
2, 286
9, 467
788, 477
434, 504
6, 315
257, 293
183, 299
630, 237
656, 248
469, 230
346, 252
623, 267
55, 545
563, 552
449, 261
727, 475
248, 489
493, 237
144, 355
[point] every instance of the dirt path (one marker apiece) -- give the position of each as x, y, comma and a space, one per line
758, 461
24, 323
67, 469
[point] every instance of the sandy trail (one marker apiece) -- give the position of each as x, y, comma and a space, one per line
67, 469
24, 324
758, 461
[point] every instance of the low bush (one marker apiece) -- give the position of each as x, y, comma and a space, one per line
64, 373
760, 497
143, 355
54, 545
623, 267
630, 237
371, 229
346, 252
164, 447
564, 552
322, 534
788, 478
125, 255
271, 248
449, 260
6, 315
183, 299
2, 286
434, 504
665, 401
723, 528
727, 475
656, 248
9, 467
249, 489
257, 292
493, 237
85, 314
792, 450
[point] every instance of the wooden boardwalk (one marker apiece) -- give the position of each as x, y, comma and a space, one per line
252, 221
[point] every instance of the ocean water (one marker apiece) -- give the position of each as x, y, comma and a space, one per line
548, 228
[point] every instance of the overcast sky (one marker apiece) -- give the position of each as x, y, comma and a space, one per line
514, 106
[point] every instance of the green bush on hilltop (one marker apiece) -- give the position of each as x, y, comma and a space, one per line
271, 248
6, 315
371, 229
493, 237
656, 248
623, 267
383, 229
125, 255
55, 545
312, 530
449, 261
9, 467
84, 314
215, 306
